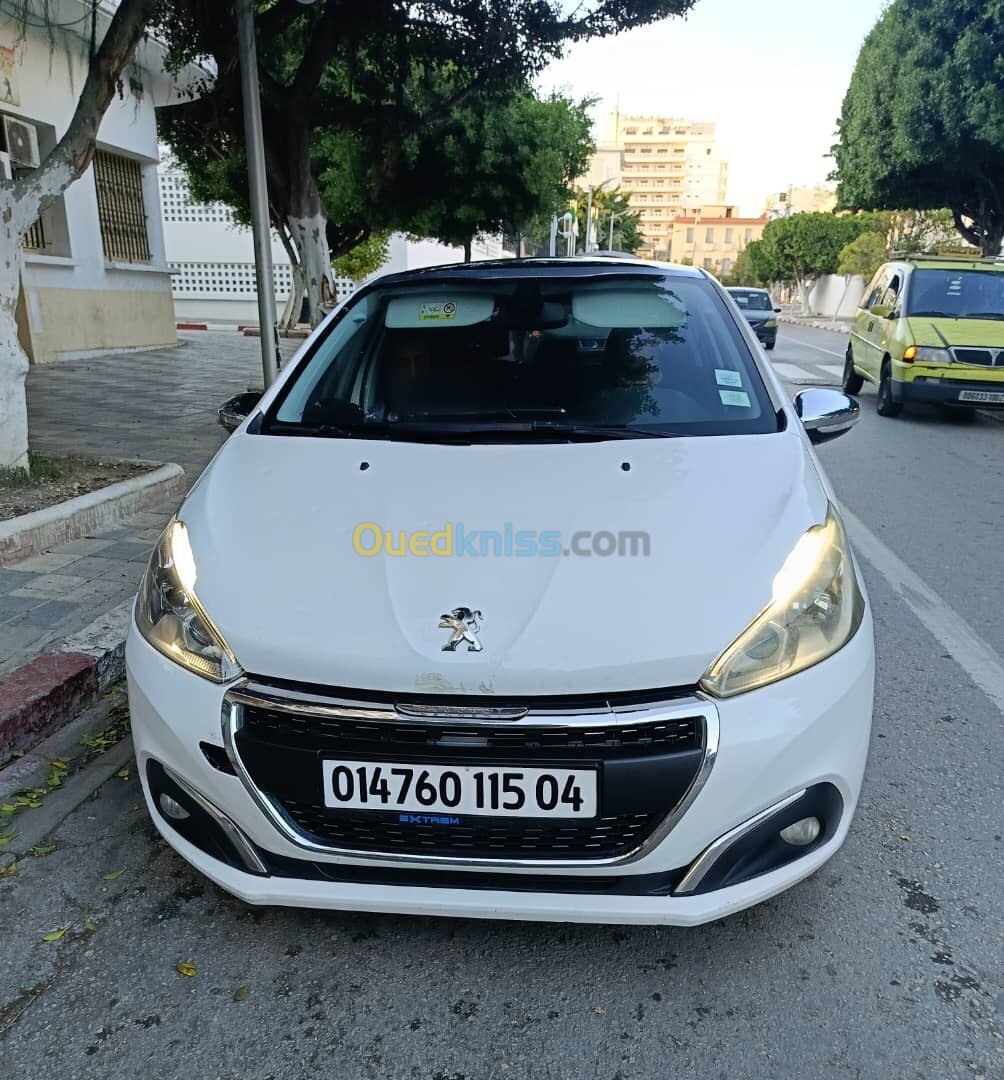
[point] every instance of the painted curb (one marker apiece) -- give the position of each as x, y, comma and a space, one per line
43, 695
816, 324
34, 533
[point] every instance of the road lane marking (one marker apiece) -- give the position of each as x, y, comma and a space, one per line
981, 662
818, 348
833, 369
792, 371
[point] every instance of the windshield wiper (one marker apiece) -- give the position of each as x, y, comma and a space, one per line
984, 315
601, 431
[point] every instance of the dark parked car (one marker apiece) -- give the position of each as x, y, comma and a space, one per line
759, 310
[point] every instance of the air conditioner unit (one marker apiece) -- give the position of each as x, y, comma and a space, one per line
6, 172
21, 142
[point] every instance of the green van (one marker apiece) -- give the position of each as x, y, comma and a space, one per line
930, 328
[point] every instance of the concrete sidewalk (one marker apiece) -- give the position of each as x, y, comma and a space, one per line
160, 405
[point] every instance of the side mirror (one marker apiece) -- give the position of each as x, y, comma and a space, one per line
826, 414
234, 411
777, 311
880, 311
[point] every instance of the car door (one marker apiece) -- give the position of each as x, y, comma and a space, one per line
864, 339
884, 312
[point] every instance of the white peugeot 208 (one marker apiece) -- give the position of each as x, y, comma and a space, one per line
520, 594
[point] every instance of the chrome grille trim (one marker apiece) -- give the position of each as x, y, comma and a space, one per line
690, 707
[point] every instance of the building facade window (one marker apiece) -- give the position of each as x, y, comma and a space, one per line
709, 236
749, 235
690, 236
121, 213
707, 264
726, 265
728, 236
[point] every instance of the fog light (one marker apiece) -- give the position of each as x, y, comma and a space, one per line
803, 832
172, 808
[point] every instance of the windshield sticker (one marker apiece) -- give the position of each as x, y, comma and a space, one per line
728, 378
735, 397
447, 310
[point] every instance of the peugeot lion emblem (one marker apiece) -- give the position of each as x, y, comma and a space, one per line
466, 625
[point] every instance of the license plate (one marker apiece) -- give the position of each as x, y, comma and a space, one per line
496, 790
981, 395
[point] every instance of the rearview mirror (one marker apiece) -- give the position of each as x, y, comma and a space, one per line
234, 411
777, 311
826, 414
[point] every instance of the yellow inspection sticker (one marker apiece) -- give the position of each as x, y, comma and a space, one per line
446, 310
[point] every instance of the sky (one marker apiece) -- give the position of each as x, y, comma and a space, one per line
771, 73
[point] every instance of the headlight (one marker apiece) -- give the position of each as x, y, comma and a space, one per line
770, 324
815, 608
169, 615
927, 354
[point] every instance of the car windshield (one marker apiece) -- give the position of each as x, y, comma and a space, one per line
526, 358
752, 299
956, 294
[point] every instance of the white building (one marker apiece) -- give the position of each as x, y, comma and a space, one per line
212, 259
95, 273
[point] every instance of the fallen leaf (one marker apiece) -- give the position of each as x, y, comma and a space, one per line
9, 871
187, 969
5, 838
54, 935
903, 837
598, 1010
43, 849
113, 875
90, 924
242, 993
57, 764
123, 774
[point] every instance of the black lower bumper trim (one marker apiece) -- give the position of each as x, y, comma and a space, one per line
946, 392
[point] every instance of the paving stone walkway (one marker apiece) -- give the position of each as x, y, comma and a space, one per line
159, 405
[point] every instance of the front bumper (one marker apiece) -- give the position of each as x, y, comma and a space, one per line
767, 335
811, 729
934, 390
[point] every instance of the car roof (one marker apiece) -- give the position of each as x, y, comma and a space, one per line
590, 265
745, 288
946, 262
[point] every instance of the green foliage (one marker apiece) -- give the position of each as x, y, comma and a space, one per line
922, 123
364, 259
627, 232
801, 247
863, 255
744, 269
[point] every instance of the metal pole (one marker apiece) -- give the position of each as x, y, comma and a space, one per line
259, 190
553, 247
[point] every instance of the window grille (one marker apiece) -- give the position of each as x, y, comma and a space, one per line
119, 184
34, 239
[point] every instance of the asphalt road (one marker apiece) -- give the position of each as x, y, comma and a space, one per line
887, 963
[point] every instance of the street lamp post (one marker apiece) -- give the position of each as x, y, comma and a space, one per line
259, 191
613, 217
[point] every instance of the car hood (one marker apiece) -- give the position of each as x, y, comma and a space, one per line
755, 316
981, 332
271, 523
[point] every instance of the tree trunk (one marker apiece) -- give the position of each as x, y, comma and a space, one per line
294, 302
310, 237
986, 234
467, 250
803, 295
13, 362
843, 295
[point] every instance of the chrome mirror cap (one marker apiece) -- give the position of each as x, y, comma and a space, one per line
826, 414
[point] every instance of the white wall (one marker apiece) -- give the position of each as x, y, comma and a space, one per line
829, 291
48, 84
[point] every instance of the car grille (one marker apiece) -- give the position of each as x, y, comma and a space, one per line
647, 753
475, 838
351, 736
977, 357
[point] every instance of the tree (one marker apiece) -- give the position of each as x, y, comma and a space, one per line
802, 247
916, 230
23, 199
385, 75
922, 123
607, 201
365, 258
758, 265
863, 256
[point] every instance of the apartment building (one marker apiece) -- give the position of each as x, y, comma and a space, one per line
801, 200
667, 166
713, 237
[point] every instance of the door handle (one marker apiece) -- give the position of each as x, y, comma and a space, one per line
871, 324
